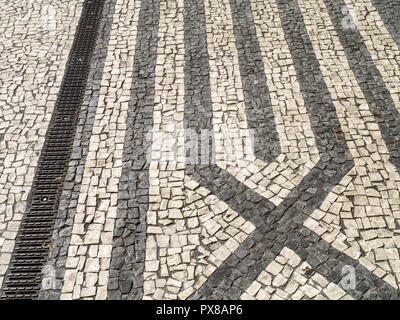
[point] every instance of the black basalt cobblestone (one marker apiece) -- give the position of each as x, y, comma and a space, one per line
128, 254
260, 117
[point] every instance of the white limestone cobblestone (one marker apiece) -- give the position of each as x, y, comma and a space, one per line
166, 176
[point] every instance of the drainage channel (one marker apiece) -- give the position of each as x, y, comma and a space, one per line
23, 278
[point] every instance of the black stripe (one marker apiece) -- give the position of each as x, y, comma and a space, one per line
129, 243
31, 250
389, 10
198, 114
260, 116
370, 81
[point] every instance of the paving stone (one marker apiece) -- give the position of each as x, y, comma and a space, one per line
230, 149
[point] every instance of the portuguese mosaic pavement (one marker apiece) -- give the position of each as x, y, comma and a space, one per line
225, 149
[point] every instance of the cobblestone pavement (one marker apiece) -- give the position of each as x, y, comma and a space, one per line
225, 149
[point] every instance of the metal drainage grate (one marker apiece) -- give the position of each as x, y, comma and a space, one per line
23, 278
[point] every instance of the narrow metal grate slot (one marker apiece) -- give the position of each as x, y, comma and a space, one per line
23, 277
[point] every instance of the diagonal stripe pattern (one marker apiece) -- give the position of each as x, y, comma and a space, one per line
229, 149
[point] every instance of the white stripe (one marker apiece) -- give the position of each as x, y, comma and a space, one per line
166, 192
